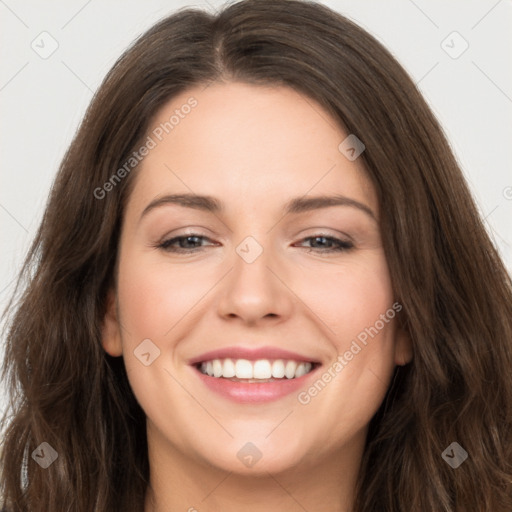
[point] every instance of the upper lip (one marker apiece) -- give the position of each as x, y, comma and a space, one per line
251, 354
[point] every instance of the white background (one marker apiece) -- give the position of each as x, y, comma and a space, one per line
43, 100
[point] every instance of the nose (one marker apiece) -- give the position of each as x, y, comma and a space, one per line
256, 292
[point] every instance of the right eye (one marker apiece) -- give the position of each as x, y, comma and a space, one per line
184, 243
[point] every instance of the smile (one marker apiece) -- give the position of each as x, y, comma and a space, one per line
254, 375
262, 370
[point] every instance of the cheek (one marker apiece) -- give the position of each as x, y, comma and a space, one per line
155, 296
350, 390
346, 299
154, 300
352, 297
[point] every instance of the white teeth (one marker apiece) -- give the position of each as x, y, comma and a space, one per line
278, 369
243, 369
262, 369
228, 369
289, 369
301, 370
217, 368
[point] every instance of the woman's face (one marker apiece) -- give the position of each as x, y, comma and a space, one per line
266, 275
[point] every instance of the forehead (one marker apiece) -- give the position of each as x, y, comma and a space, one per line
249, 144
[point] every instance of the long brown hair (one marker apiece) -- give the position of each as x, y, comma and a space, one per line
456, 294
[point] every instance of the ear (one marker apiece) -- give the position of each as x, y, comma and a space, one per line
403, 347
110, 329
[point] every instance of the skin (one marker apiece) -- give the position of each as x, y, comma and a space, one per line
253, 148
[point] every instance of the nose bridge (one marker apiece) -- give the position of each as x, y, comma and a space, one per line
252, 291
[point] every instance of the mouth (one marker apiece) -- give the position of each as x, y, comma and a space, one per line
247, 376
259, 371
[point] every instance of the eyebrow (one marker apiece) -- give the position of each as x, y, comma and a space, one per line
294, 206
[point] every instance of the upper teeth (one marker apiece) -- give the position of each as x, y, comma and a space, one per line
260, 369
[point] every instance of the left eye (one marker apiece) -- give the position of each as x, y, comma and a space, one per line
340, 245
192, 243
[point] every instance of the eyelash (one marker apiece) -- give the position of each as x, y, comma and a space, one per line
343, 245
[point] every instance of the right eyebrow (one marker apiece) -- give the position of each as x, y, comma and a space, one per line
205, 203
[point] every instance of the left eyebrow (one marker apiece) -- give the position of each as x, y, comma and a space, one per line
294, 206
305, 204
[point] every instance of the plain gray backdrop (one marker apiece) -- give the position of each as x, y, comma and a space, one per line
55, 54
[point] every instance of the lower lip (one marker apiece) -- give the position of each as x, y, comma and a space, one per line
245, 392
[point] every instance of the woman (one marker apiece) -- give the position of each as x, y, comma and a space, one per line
260, 281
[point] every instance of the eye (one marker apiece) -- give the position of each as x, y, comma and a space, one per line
193, 243
185, 243
326, 244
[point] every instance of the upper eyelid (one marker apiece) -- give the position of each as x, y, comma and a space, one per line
207, 237
316, 231
336, 238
